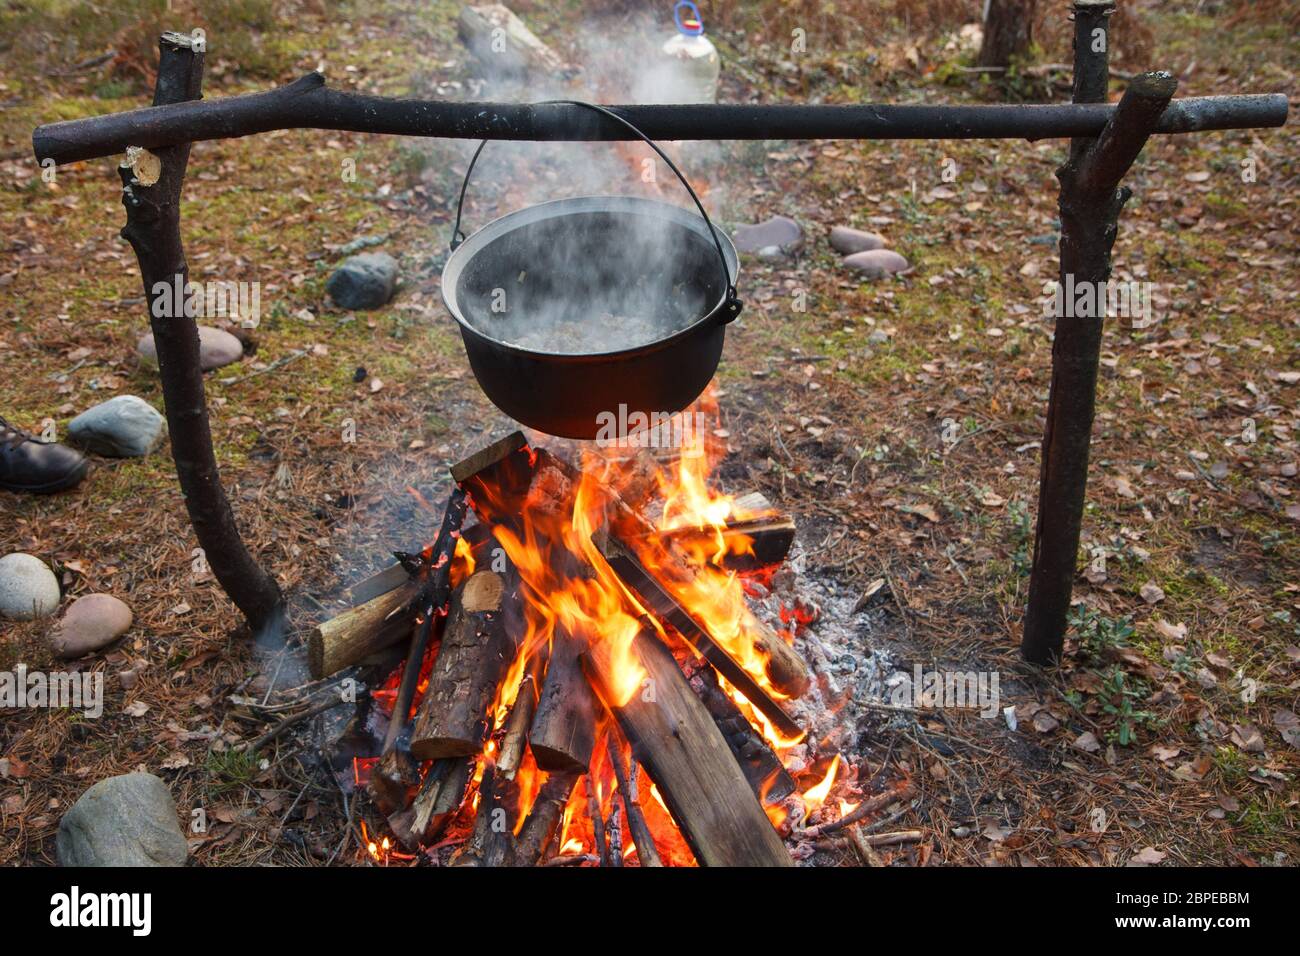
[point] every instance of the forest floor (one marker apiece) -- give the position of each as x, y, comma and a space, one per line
898, 420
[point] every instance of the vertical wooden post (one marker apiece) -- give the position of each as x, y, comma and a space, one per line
153, 229
1090, 203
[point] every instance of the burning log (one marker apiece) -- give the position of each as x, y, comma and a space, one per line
538, 832
478, 646
492, 842
360, 631
564, 728
614, 833
785, 669
596, 815
762, 767
747, 543
646, 851
675, 739
520, 720
439, 797
783, 663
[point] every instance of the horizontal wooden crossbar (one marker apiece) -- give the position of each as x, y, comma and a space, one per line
308, 103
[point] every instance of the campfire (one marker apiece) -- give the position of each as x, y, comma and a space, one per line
585, 682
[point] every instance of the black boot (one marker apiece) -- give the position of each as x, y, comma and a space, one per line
37, 467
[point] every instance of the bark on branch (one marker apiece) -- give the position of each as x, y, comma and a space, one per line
1090, 203
307, 103
153, 230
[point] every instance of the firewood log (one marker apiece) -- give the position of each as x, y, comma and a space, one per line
492, 841
518, 724
564, 727
477, 648
439, 797
537, 834
768, 541
762, 767
664, 606
646, 851
681, 748
360, 631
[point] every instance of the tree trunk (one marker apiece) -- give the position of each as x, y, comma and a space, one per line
1008, 31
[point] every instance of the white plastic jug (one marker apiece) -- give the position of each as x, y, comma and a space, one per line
692, 60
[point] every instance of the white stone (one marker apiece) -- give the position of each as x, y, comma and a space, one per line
28, 588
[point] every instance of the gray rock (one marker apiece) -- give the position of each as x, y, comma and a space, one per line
847, 241
217, 348
122, 427
363, 282
28, 588
123, 821
773, 238
90, 622
876, 263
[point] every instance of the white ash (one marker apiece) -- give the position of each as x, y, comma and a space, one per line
849, 674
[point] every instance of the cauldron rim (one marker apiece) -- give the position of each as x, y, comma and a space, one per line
556, 208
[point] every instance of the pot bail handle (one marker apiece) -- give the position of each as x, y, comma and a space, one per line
730, 309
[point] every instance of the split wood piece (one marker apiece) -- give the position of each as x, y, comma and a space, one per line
515, 738
646, 851
430, 606
597, 822
770, 780
564, 729
358, 632
439, 797
538, 832
614, 833
381, 582
663, 605
785, 668
492, 841
675, 739
406, 687
770, 533
748, 544
393, 781
478, 647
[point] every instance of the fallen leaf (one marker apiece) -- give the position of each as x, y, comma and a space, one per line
925, 511
137, 708
1087, 742
1248, 738
1175, 632
1165, 754
1147, 856
1151, 593
1288, 725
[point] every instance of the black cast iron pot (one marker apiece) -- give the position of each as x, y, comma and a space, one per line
579, 312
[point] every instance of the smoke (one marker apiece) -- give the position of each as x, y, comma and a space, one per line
610, 282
